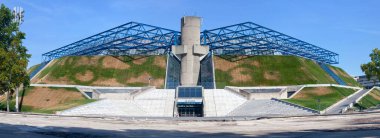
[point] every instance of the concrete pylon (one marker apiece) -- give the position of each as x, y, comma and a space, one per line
190, 50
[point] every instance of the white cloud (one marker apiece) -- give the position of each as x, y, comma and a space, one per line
368, 31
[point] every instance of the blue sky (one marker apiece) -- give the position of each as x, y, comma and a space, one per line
348, 27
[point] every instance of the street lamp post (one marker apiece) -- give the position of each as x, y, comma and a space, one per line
9, 89
319, 104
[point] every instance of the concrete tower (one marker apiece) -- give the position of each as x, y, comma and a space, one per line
190, 50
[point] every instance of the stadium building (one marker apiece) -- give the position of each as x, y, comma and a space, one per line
368, 83
194, 60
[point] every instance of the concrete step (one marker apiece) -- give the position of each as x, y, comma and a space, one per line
260, 108
107, 108
153, 103
222, 101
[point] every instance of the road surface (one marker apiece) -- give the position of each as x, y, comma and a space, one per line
36, 126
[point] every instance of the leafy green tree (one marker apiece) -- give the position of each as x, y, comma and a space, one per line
13, 55
372, 69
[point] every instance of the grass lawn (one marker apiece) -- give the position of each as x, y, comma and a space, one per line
68, 70
370, 100
269, 71
47, 100
328, 96
344, 76
53, 110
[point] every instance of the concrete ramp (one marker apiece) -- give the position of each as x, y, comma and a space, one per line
345, 103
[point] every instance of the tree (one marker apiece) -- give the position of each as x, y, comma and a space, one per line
13, 55
372, 69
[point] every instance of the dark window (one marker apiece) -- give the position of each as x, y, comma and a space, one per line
190, 92
173, 72
206, 77
89, 94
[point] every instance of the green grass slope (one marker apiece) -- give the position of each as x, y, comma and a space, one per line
105, 71
327, 96
372, 99
47, 100
344, 76
269, 71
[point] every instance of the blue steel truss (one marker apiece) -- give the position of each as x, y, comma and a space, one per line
248, 38
128, 39
241, 39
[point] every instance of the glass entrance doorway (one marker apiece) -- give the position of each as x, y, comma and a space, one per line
189, 101
190, 110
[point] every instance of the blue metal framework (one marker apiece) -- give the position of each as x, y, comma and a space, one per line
128, 39
249, 38
241, 39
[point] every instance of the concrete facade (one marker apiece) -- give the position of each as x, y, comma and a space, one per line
261, 93
190, 51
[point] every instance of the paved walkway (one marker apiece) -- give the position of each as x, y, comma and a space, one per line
37, 126
82, 86
339, 107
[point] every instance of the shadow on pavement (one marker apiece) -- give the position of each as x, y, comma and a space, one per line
8, 130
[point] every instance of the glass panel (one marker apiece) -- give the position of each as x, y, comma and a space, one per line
173, 73
189, 92
206, 78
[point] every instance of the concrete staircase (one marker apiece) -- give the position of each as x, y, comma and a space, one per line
219, 102
152, 103
209, 105
261, 108
38, 69
107, 108
332, 74
157, 102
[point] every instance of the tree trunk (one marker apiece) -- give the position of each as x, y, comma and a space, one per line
7, 100
16, 106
